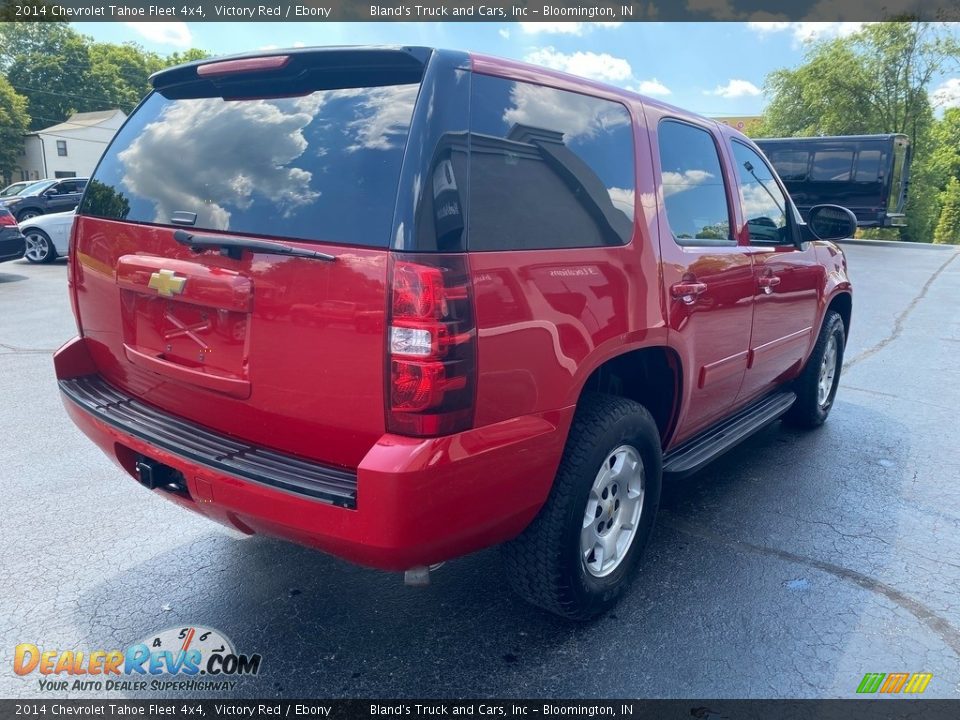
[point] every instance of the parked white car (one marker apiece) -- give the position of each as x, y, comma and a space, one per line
48, 236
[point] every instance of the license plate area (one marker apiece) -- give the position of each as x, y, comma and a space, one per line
187, 321
211, 339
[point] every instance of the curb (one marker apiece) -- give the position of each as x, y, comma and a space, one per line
898, 244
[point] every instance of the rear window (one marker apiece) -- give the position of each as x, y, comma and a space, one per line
831, 165
790, 164
869, 164
321, 166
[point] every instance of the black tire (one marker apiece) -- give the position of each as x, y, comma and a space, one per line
808, 411
51, 250
545, 563
28, 214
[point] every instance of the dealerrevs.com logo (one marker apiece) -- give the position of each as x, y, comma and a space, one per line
183, 658
893, 683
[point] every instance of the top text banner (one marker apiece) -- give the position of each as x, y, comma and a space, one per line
490, 10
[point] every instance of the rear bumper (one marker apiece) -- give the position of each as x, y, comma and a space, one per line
411, 501
12, 245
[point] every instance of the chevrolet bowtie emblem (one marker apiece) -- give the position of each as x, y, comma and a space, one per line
166, 283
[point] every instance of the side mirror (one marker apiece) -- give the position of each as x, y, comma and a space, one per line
50, 193
831, 222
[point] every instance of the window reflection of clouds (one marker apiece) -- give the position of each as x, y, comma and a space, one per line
757, 203
675, 182
383, 115
622, 199
576, 116
217, 157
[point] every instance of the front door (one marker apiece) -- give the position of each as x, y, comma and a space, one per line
787, 278
67, 196
708, 278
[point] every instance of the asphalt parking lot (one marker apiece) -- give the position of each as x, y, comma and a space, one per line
790, 568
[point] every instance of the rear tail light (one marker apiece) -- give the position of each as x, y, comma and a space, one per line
431, 345
7, 219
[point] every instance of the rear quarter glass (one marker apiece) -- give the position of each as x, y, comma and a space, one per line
321, 166
548, 169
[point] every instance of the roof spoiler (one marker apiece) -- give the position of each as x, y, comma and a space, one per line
399, 64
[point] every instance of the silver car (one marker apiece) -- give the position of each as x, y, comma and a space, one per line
48, 236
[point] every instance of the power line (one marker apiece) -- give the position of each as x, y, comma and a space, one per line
74, 95
67, 122
74, 137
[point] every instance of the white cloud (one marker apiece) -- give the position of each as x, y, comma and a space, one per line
504, 33
164, 33
652, 87
806, 31
768, 27
735, 88
598, 66
299, 44
947, 95
564, 28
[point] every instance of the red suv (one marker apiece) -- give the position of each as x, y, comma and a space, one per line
401, 304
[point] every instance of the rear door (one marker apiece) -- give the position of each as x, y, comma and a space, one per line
286, 352
787, 279
707, 276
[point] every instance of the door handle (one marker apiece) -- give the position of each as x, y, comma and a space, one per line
768, 283
687, 292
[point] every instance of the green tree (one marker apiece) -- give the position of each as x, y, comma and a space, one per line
25, 38
875, 81
61, 71
948, 227
119, 73
14, 122
56, 78
178, 58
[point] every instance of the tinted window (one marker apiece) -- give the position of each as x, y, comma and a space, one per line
320, 166
868, 165
693, 189
548, 168
832, 165
790, 164
71, 186
764, 204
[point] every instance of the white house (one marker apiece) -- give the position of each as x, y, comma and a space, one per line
71, 148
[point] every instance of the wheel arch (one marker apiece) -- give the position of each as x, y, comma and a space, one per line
650, 375
842, 303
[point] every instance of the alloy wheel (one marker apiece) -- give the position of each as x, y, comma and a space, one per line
612, 514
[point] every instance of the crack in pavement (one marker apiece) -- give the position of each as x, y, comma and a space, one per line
900, 320
14, 350
938, 625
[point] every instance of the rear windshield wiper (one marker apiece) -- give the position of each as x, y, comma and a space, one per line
233, 247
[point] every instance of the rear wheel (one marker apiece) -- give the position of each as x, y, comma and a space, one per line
581, 551
39, 247
816, 387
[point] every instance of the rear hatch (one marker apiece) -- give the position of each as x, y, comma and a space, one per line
231, 250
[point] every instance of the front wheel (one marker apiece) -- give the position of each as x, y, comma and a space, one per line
39, 247
582, 550
27, 215
816, 387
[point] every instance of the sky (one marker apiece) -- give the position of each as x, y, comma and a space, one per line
715, 69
